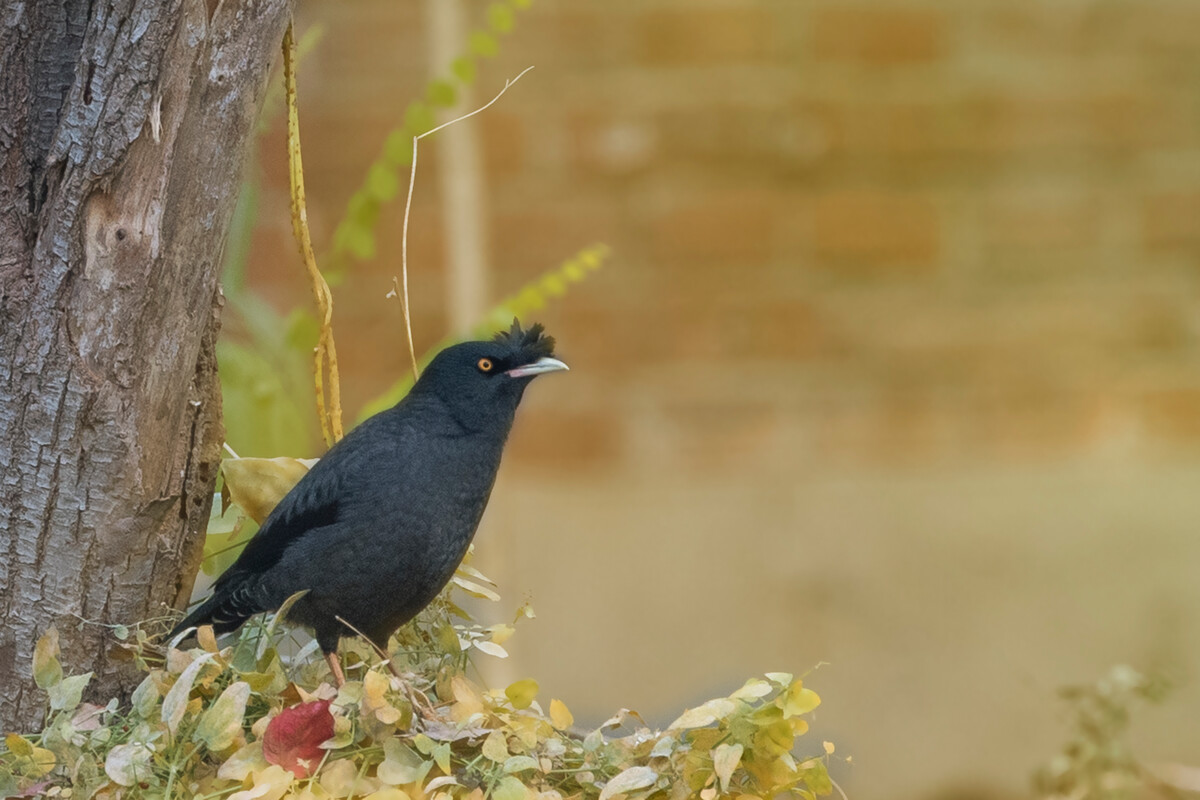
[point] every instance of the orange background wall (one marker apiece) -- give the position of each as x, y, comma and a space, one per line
895, 363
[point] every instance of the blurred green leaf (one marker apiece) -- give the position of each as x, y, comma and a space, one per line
484, 44
500, 17
463, 68
520, 305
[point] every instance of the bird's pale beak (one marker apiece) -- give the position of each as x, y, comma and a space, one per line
537, 368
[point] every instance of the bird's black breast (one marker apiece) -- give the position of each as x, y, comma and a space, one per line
405, 517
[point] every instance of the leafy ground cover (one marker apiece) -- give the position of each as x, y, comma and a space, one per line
259, 719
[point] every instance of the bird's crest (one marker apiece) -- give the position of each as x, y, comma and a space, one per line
532, 343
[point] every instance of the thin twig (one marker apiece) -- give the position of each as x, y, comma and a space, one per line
412, 179
326, 353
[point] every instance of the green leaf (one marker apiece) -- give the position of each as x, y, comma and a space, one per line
522, 693
127, 764
484, 45
441, 93
419, 118
441, 757
774, 739
816, 776
398, 148
221, 724
664, 747
726, 757
752, 690
500, 17
521, 304
509, 788
67, 693
247, 759
630, 780
519, 764
361, 243
145, 697
703, 715
303, 330
175, 703
46, 669
464, 69
382, 183
401, 765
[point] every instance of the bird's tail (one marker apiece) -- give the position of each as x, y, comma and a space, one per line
225, 611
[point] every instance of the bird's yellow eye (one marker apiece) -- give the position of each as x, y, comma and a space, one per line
485, 365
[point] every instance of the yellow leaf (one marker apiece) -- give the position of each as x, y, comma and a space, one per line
244, 761
560, 715
475, 589
46, 669
467, 700
502, 633
774, 740
17, 745
798, 700
375, 687
206, 638
495, 747
269, 784
521, 693
529, 730
828, 748
388, 793
341, 779
258, 484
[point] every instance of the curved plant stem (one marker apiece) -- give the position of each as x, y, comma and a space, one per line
325, 355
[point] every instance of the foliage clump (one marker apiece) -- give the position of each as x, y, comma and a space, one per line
1097, 760
259, 720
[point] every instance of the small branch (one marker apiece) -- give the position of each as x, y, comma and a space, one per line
325, 354
412, 179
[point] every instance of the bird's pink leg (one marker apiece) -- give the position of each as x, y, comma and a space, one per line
335, 666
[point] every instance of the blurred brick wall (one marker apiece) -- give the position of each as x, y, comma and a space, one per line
868, 240
977, 224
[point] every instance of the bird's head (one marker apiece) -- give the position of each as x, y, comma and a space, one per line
479, 379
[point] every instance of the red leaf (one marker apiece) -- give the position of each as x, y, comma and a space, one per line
293, 739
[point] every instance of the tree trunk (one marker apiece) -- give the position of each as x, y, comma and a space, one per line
123, 127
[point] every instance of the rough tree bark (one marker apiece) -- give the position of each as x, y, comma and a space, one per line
123, 127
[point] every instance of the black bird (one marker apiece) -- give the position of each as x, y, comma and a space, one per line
377, 527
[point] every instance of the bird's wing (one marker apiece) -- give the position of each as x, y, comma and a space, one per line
312, 503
